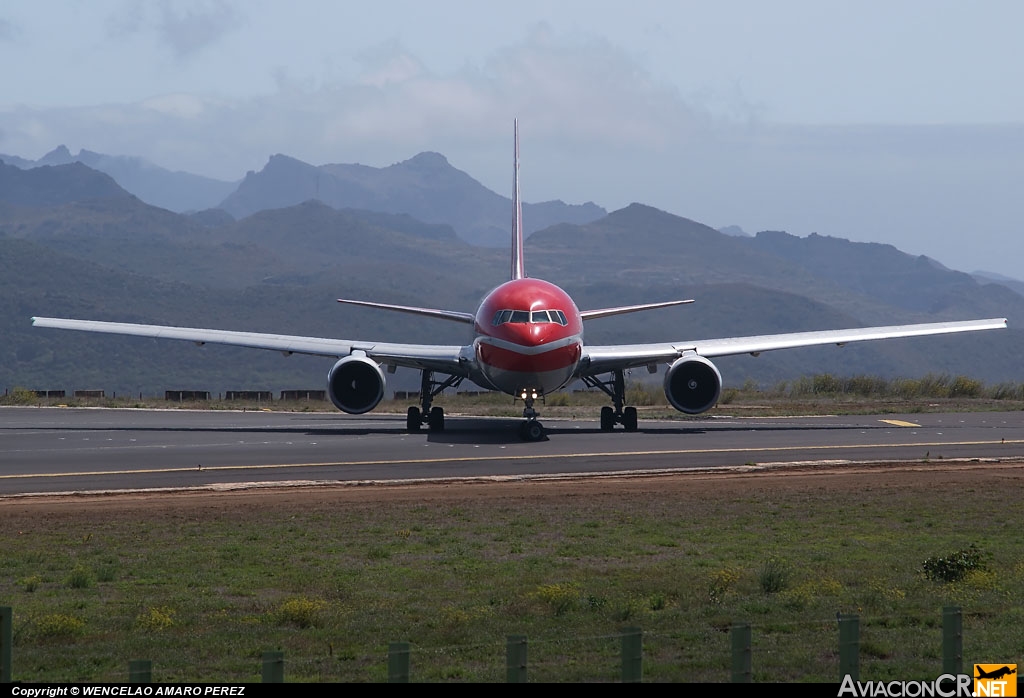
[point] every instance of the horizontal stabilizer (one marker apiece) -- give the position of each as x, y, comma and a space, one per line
606, 312
429, 312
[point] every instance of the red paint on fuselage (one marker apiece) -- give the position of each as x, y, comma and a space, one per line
517, 356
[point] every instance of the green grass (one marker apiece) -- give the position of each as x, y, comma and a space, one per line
203, 586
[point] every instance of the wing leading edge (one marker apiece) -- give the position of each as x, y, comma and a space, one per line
434, 357
601, 359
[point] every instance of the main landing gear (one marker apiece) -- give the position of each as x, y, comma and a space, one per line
433, 417
616, 390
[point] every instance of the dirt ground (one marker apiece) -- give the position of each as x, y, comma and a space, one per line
784, 481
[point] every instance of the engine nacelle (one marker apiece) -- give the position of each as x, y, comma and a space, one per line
355, 384
693, 384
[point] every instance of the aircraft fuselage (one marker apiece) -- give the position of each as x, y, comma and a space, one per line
529, 337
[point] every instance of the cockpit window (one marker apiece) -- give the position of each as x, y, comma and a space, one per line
525, 316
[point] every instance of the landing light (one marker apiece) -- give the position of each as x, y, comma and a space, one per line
524, 394
534, 394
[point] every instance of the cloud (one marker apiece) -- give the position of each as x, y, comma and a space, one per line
388, 64
185, 27
188, 30
577, 91
8, 30
568, 93
179, 106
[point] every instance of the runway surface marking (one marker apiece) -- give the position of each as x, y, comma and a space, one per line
542, 456
899, 423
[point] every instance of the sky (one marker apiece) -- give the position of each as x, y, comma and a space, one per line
892, 122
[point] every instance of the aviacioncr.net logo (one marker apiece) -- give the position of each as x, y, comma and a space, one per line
945, 686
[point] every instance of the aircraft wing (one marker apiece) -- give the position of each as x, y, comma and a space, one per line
601, 359
434, 357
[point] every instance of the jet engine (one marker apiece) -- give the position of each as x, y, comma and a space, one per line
693, 384
355, 384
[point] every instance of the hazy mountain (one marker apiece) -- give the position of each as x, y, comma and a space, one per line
883, 273
176, 191
988, 277
16, 161
74, 244
55, 185
425, 187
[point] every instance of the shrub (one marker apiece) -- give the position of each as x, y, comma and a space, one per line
80, 577
963, 386
826, 383
22, 396
561, 597
31, 583
156, 618
560, 399
773, 576
865, 386
722, 582
59, 625
644, 395
301, 611
953, 567
1008, 391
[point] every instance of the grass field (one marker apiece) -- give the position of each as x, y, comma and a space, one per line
202, 585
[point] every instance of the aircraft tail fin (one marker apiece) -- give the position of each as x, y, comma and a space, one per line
518, 266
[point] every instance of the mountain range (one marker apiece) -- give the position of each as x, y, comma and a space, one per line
426, 187
275, 254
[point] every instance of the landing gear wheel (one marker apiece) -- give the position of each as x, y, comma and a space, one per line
531, 430
436, 419
412, 419
629, 418
607, 418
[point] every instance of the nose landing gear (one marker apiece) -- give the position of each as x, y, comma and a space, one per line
531, 429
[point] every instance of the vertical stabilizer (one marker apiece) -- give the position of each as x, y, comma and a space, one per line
518, 267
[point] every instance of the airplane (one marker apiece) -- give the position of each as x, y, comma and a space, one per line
995, 673
528, 343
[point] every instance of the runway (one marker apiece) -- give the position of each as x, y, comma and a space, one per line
46, 450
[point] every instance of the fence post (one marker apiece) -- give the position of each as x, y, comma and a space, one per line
515, 658
6, 636
632, 655
398, 662
140, 671
273, 667
952, 640
849, 646
741, 653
